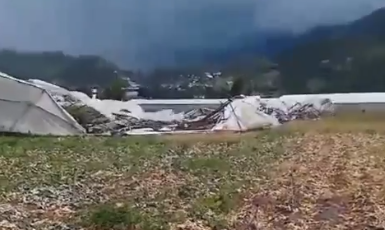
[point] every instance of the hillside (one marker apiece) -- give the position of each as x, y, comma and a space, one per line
58, 67
82, 72
341, 58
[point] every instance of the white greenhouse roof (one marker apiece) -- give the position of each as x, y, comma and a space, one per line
343, 98
180, 101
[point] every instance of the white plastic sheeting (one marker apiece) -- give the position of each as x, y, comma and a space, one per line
51, 88
338, 98
244, 115
58, 93
166, 115
79, 96
27, 108
180, 101
109, 107
275, 103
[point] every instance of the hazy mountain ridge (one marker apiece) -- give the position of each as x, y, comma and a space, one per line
336, 58
341, 58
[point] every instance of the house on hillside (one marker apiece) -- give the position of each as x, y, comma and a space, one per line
132, 90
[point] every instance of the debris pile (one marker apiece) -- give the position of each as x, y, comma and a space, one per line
125, 121
237, 114
109, 117
198, 114
311, 110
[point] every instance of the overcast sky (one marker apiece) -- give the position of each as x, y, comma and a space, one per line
133, 32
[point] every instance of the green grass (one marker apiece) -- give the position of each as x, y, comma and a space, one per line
151, 183
140, 182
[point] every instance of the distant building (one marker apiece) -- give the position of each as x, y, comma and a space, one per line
132, 91
94, 93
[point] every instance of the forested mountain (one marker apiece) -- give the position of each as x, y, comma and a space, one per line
341, 58
58, 68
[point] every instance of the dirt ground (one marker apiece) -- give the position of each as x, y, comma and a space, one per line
326, 174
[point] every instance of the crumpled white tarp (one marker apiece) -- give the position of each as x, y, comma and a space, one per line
275, 103
166, 115
108, 107
51, 88
240, 115
60, 93
243, 115
79, 96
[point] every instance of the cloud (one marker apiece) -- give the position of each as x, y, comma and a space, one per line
143, 33
300, 15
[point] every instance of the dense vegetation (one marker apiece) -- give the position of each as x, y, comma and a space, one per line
343, 58
338, 58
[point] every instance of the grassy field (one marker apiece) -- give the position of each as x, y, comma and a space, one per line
326, 174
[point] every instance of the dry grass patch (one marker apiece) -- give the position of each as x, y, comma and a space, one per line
332, 181
129, 183
370, 123
326, 174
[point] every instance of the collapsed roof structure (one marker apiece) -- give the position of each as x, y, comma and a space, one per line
29, 109
40, 108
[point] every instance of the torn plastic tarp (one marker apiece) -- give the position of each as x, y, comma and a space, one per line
244, 115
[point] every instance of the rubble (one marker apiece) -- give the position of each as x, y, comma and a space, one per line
239, 114
109, 117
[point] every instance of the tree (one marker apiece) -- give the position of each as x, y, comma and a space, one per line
315, 85
117, 90
238, 87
